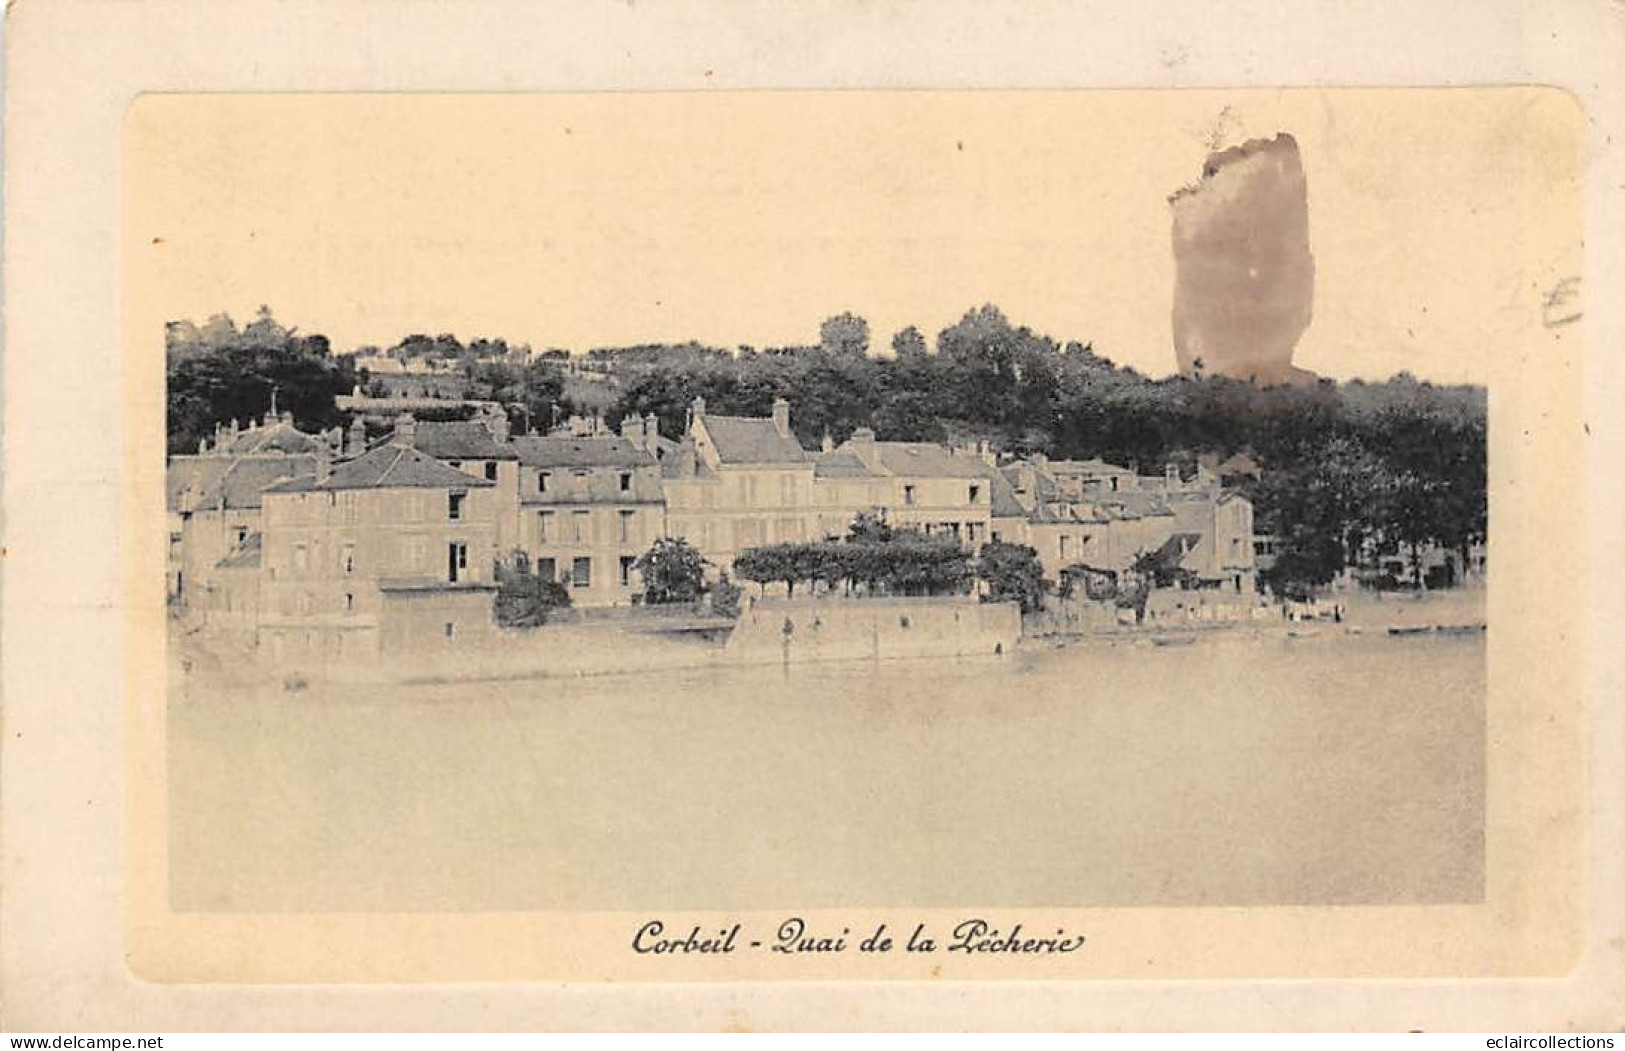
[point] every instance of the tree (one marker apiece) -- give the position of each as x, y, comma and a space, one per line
1011, 572
909, 343
217, 374
525, 599
672, 571
844, 334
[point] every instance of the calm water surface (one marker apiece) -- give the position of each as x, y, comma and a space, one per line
1316, 771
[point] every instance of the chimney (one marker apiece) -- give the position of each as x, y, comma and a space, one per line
1170, 472
324, 463
651, 432
357, 443
862, 443
1041, 461
985, 450
697, 409
406, 430
598, 422
781, 417
202, 446
829, 443
496, 422
632, 429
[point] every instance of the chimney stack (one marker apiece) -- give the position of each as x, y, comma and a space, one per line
1170, 472
781, 417
357, 441
862, 443
828, 443
697, 409
496, 422
406, 430
632, 429
651, 432
324, 463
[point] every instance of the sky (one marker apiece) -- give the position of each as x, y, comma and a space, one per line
1437, 218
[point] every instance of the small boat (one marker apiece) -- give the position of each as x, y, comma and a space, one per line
1409, 629
1172, 640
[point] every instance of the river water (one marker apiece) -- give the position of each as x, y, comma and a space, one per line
1329, 770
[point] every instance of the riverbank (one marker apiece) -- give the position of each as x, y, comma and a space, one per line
802, 631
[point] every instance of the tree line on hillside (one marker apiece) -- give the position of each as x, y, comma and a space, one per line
1401, 461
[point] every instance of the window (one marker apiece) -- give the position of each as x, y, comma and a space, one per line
581, 572
454, 506
456, 463
242, 534
626, 527
541, 481
544, 526
975, 494
908, 494
626, 570
1066, 544
547, 569
451, 629
349, 602
626, 481
456, 560
1114, 483
347, 559
974, 529
491, 470
580, 527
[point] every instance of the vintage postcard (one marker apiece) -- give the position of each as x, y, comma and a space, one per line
886, 536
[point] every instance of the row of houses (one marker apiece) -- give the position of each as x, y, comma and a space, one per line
333, 544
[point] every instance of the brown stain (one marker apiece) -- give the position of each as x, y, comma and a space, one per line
1244, 277
157, 240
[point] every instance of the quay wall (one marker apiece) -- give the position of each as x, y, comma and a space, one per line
833, 629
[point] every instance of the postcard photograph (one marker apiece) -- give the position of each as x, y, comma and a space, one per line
720, 503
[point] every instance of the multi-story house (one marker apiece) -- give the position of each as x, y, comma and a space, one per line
480, 448
916, 485
1096, 515
590, 503
213, 499
382, 555
738, 482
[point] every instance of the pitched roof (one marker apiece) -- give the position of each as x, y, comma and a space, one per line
278, 437
682, 460
840, 464
460, 440
236, 482
594, 451
1005, 504
926, 460
1094, 466
751, 440
389, 467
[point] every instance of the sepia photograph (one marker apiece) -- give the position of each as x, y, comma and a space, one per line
666, 502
